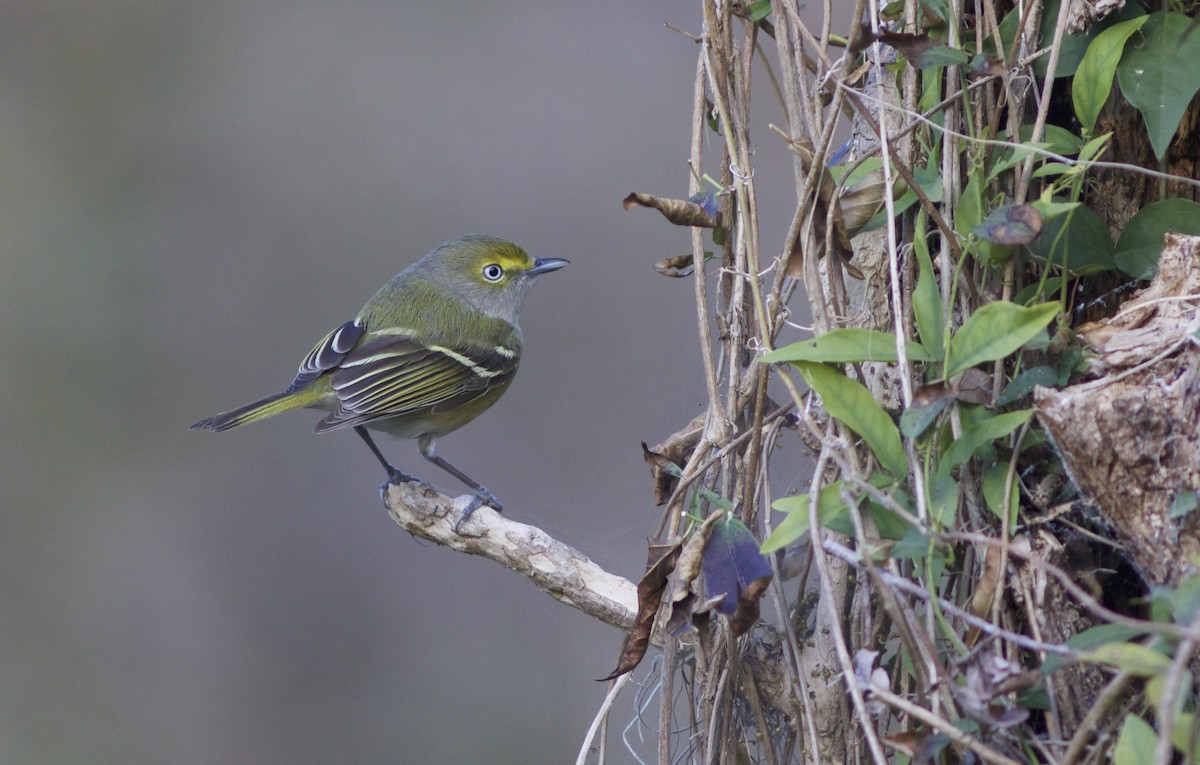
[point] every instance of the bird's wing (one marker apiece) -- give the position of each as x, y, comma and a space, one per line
328, 353
397, 375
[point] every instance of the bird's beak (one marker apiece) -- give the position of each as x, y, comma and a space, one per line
542, 265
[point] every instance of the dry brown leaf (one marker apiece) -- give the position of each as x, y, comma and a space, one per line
681, 212
677, 266
985, 591
674, 451
660, 562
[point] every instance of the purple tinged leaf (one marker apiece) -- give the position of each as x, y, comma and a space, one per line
707, 201
733, 566
1013, 224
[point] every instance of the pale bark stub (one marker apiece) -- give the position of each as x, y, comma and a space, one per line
1131, 438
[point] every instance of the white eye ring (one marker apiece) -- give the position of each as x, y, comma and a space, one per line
493, 272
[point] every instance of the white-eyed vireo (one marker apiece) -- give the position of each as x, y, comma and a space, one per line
426, 355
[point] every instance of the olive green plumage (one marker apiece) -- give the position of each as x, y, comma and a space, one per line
433, 349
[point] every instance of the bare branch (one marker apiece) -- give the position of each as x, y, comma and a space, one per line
559, 570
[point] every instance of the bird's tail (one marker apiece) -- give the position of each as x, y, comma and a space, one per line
258, 410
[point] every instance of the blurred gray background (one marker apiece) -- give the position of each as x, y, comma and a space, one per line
194, 193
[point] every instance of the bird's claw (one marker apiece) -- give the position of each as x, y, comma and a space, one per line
395, 477
482, 497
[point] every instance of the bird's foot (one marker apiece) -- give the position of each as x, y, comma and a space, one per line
394, 477
482, 497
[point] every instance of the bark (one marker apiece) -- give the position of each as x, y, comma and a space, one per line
1131, 437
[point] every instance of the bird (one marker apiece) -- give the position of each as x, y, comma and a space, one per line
435, 347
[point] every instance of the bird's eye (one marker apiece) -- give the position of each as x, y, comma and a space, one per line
492, 272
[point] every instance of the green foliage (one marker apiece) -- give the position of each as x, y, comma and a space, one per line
847, 345
929, 178
1077, 241
831, 514
760, 9
993, 494
994, 331
1136, 742
1094, 78
927, 300
980, 434
1141, 240
1183, 504
1024, 383
1159, 76
1134, 658
850, 402
942, 56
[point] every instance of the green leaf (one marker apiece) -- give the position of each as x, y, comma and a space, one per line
1135, 745
1090, 638
1057, 139
1159, 76
1073, 47
1095, 147
1070, 52
847, 345
914, 544
1142, 238
928, 178
1183, 504
1182, 736
1053, 169
1079, 239
1051, 209
888, 523
1133, 658
969, 212
915, 419
1036, 290
1024, 383
994, 331
927, 299
1180, 602
982, 432
993, 493
1103, 634
1094, 78
832, 513
759, 10
943, 55
943, 499
849, 401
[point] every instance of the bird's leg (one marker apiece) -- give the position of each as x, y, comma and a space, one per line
393, 473
482, 495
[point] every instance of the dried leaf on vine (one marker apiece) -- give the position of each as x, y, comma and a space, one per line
1012, 224
860, 202
988, 66
688, 566
977, 697
684, 594
699, 211
839, 236
921, 50
735, 572
668, 458
660, 562
974, 387
985, 591
677, 266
